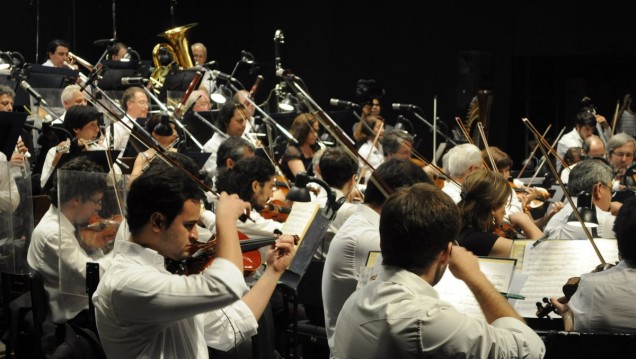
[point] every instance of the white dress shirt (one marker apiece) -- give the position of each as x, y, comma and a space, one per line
48, 63
569, 140
559, 229
604, 301
345, 211
373, 155
453, 191
143, 311
399, 315
122, 134
46, 257
212, 147
47, 167
348, 252
9, 194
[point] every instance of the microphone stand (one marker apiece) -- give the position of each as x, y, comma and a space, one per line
433, 128
164, 109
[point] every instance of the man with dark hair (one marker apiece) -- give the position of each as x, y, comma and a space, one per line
231, 151
397, 144
604, 301
142, 310
583, 128
57, 50
81, 192
399, 314
350, 247
135, 102
252, 179
232, 121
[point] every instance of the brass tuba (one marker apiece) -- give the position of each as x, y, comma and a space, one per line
179, 50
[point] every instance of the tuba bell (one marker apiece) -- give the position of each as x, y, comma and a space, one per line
178, 49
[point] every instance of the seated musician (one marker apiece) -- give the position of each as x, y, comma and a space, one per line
593, 147
297, 157
82, 123
400, 315
340, 172
199, 101
594, 177
142, 310
57, 51
483, 206
232, 121
135, 102
603, 301
584, 128
459, 162
397, 144
71, 96
7, 97
118, 52
620, 152
231, 151
78, 201
350, 247
519, 201
370, 132
164, 132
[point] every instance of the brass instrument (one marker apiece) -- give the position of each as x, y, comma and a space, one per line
178, 48
74, 59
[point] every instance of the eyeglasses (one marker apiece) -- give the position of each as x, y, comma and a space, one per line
609, 187
623, 154
142, 102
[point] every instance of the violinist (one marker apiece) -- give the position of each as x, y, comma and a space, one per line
340, 172
230, 152
459, 162
593, 177
232, 122
593, 147
620, 152
603, 301
370, 133
297, 157
483, 206
399, 144
584, 128
78, 201
359, 235
82, 123
164, 132
142, 310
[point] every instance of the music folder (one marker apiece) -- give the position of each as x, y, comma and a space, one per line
11, 124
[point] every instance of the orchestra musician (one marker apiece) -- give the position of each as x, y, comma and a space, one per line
135, 102
357, 237
82, 123
399, 314
164, 132
297, 157
583, 128
199, 53
370, 133
603, 301
142, 310
71, 96
232, 121
117, 51
201, 101
56, 234
459, 162
57, 51
620, 152
231, 151
594, 177
483, 205
593, 147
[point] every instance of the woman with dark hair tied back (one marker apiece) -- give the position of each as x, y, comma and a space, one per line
484, 197
297, 157
164, 132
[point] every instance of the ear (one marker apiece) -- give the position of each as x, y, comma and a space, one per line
444, 257
255, 186
157, 221
229, 163
76, 130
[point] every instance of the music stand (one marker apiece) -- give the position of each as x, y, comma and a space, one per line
114, 71
10, 127
199, 157
40, 77
177, 80
98, 157
201, 131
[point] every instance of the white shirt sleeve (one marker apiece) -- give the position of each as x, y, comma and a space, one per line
228, 327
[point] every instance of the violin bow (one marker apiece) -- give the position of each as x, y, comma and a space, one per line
544, 159
375, 141
480, 127
542, 147
460, 123
533, 151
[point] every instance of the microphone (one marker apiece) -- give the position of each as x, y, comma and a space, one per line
133, 80
342, 103
208, 64
25, 85
257, 83
222, 76
401, 106
286, 74
247, 57
104, 42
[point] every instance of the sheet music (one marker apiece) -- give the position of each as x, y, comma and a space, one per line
499, 272
299, 219
550, 264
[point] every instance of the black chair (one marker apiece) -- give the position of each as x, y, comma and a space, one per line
588, 345
309, 333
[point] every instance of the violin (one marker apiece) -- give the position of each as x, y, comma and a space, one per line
100, 232
569, 288
202, 255
275, 210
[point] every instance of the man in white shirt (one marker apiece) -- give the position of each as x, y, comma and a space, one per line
400, 315
71, 96
594, 178
58, 249
144, 311
358, 236
232, 120
135, 102
583, 128
620, 152
57, 50
604, 301
459, 162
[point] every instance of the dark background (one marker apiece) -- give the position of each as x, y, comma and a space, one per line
539, 57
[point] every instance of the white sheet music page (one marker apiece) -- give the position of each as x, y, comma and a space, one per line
551, 263
299, 219
499, 272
